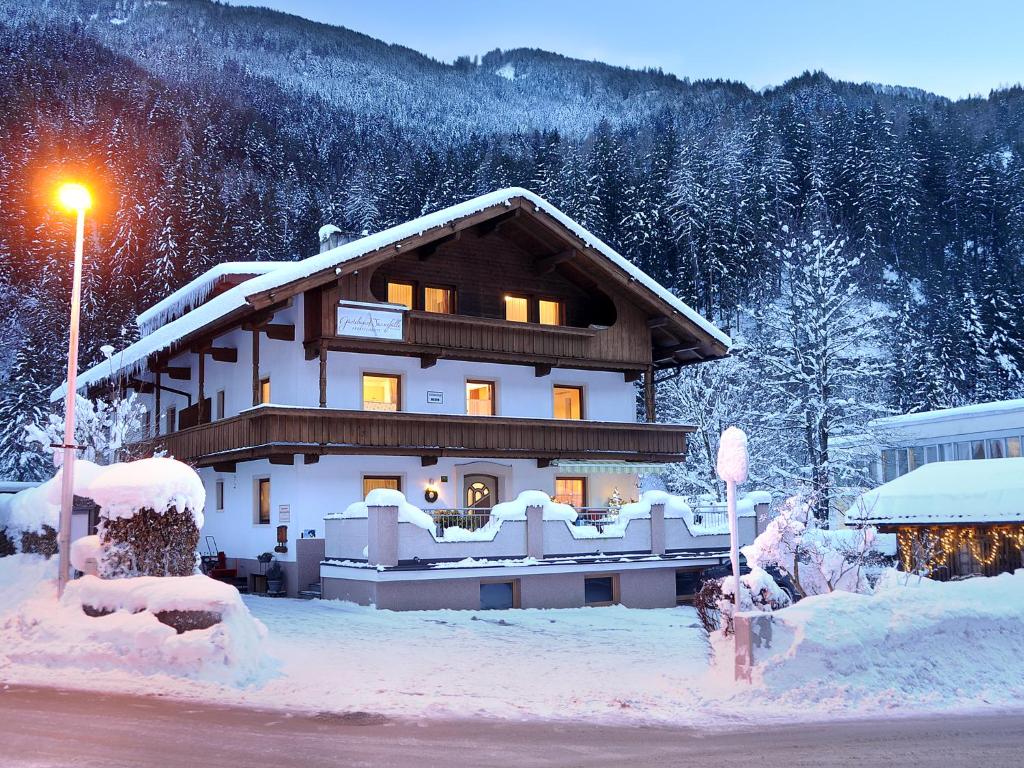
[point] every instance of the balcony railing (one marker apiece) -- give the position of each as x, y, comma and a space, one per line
468, 519
280, 433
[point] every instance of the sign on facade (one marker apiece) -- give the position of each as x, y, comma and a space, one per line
284, 513
370, 321
435, 398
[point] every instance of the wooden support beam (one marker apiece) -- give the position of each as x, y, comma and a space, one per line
311, 458
255, 366
495, 223
649, 400
202, 379
227, 466
280, 331
428, 461
657, 322
428, 361
541, 371
156, 405
223, 354
179, 372
428, 250
661, 354
323, 377
284, 459
548, 263
143, 387
543, 463
258, 320
631, 376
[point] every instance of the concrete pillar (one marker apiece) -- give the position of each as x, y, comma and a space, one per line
382, 535
535, 532
657, 529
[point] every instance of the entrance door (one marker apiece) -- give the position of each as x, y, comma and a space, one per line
480, 491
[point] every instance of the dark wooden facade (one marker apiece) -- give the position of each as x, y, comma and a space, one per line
282, 433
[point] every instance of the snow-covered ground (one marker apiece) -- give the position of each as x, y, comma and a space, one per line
909, 650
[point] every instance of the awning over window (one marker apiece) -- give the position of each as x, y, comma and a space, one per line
611, 467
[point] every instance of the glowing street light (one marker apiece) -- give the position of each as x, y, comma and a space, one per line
73, 198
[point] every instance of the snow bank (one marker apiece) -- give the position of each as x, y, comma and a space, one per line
123, 489
516, 509
39, 632
915, 643
85, 549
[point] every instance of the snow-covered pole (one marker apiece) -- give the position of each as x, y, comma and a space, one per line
732, 468
76, 198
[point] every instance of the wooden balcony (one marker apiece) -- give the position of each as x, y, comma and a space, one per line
280, 433
437, 336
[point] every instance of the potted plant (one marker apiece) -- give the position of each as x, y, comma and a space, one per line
275, 578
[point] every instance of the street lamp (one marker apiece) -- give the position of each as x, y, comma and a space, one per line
76, 198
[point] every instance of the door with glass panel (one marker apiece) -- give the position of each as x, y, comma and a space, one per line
480, 491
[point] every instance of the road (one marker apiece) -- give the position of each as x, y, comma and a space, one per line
49, 727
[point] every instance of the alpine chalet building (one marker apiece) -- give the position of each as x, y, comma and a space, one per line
461, 358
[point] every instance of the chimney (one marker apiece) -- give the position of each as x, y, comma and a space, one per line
332, 237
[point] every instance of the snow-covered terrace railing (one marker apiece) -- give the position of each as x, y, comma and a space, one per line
386, 530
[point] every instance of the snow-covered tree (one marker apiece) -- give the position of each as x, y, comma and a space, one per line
816, 559
818, 348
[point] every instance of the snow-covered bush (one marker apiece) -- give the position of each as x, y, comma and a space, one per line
150, 515
818, 560
716, 599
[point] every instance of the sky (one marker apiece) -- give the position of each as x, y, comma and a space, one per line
955, 49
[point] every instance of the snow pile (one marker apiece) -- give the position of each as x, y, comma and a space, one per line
516, 509
84, 550
37, 631
121, 490
914, 644
386, 497
732, 456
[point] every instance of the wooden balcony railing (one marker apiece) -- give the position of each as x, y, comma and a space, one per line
281, 432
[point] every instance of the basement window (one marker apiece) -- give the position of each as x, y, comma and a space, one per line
601, 590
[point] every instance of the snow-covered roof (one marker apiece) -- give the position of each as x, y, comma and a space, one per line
978, 491
997, 408
133, 358
195, 292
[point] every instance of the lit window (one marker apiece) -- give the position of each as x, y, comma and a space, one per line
265, 390
568, 402
1013, 447
517, 309
373, 482
480, 398
220, 495
550, 312
440, 300
400, 293
997, 448
381, 392
571, 491
263, 502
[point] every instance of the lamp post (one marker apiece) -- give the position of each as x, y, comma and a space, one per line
72, 197
732, 467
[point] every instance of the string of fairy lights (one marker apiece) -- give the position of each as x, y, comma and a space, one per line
936, 545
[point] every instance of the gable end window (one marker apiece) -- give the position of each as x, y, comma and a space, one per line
401, 293
550, 312
439, 299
